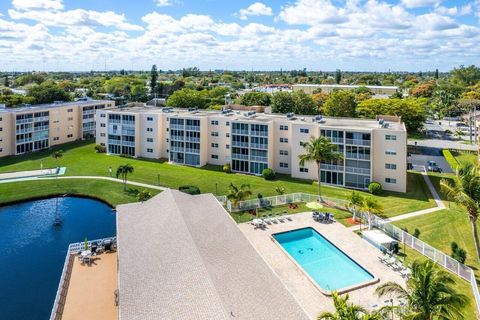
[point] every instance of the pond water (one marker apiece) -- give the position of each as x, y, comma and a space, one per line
32, 250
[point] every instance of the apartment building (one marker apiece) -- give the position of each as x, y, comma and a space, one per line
39, 127
373, 150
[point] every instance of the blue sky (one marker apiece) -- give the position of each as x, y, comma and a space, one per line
370, 35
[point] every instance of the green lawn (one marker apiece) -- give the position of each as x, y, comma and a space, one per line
465, 157
80, 159
111, 192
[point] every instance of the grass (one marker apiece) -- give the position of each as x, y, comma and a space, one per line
80, 159
111, 192
463, 157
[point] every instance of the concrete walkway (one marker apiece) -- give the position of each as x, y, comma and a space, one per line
133, 183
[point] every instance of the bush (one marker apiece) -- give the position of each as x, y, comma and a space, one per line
144, 195
100, 148
375, 188
416, 233
452, 162
226, 168
268, 174
190, 189
458, 253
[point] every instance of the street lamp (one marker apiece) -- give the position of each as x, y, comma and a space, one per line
216, 188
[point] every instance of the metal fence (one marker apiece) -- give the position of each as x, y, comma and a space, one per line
61, 295
428, 251
279, 200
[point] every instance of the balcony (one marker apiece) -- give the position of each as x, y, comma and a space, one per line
259, 146
358, 170
39, 119
114, 141
42, 128
19, 141
192, 128
357, 156
240, 144
335, 140
128, 143
177, 126
258, 159
177, 137
240, 131
358, 142
22, 121
85, 112
192, 139
259, 133
177, 149
331, 167
130, 133
114, 121
20, 131
128, 122
238, 156
191, 150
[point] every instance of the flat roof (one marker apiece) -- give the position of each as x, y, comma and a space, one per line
48, 106
343, 86
183, 257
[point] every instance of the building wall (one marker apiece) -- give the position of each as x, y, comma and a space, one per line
297, 138
7, 127
64, 125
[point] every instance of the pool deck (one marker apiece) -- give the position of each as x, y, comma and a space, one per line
91, 289
306, 293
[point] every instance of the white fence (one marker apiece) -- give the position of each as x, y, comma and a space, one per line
61, 295
279, 200
428, 251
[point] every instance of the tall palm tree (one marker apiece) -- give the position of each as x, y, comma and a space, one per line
123, 171
371, 206
355, 202
236, 194
464, 190
429, 293
347, 311
318, 150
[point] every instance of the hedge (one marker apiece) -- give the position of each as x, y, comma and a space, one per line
452, 162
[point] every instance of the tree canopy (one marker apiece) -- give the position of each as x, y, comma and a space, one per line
48, 92
340, 103
255, 99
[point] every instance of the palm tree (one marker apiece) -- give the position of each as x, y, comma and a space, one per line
464, 190
347, 311
429, 293
371, 206
318, 150
123, 171
355, 201
235, 194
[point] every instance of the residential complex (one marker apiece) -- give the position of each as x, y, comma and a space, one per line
329, 88
39, 127
373, 150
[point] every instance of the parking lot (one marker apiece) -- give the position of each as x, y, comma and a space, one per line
429, 154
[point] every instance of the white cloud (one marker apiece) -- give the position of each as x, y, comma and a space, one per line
420, 3
455, 11
38, 4
312, 12
164, 3
255, 9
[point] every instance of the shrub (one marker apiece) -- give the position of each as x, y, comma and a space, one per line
226, 168
452, 162
190, 189
375, 188
458, 253
268, 174
280, 190
144, 195
100, 149
416, 233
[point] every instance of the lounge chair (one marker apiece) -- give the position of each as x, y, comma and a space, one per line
391, 261
280, 217
405, 272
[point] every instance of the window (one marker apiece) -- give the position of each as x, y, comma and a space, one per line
69, 135
390, 137
102, 144
227, 146
214, 134
391, 152
1, 150
284, 152
1, 119
149, 118
304, 130
70, 119
228, 123
283, 165
102, 134
149, 139
102, 115
284, 140
102, 125
214, 156
214, 123
1, 129
150, 150
283, 128
56, 138
227, 135
390, 180
149, 129
70, 110
390, 166
214, 145
301, 143
304, 170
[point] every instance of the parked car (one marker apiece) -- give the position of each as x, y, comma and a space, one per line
409, 166
433, 166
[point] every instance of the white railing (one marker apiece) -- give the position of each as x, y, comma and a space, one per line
357, 170
22, 121
358, 142
258, 159
259, 133
239, 144
177, 126
128, 143
427, 251
358, 156
239, 156
192, 128
331, 167
240, 131
258, 146
61, 295
177, 149
192, 150
192, 139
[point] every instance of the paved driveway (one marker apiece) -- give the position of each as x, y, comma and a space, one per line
427, 154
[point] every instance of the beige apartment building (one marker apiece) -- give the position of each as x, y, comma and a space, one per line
39, 127
329, 88
373, 150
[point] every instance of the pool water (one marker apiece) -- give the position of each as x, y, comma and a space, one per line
327, 265
32, 250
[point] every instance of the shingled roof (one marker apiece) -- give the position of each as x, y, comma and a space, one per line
183, 257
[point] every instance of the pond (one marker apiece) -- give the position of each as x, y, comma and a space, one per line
32, 249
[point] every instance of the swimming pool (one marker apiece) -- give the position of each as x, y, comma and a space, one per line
329, 267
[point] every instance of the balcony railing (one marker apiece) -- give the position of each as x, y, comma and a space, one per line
192, 128
177, 126
258, 146
358, 170
177, 137
192, 139
335, 139
240, 131
114, 141
358, 142
239, 156
20, 131
114, 121
331, 167
38, 119
177, 149
357, 156
22, 121
240, 144
19, 141
128, 133
191, 150
259, 133
258, 159
128, 122
128, 143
